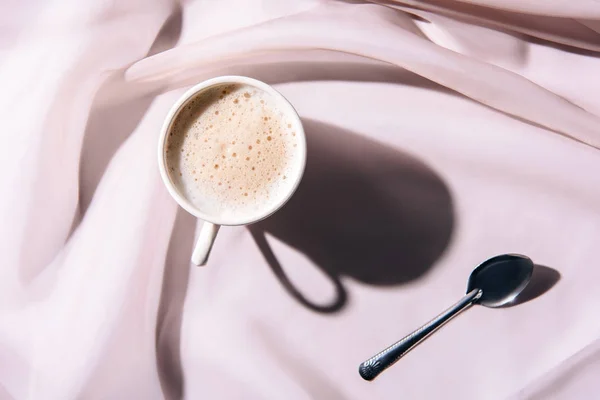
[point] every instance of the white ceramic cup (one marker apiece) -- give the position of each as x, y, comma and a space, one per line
212, 223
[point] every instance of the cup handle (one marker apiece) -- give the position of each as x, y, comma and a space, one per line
205, 243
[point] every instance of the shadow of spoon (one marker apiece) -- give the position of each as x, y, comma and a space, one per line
542, 280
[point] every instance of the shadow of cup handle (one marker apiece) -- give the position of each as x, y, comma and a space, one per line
340, 292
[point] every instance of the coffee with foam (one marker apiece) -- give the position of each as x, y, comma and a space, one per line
233, 152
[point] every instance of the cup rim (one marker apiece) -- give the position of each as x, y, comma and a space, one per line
172, 115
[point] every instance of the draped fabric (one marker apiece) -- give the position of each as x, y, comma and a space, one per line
440, 133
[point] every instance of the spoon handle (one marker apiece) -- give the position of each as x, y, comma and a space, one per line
375, 365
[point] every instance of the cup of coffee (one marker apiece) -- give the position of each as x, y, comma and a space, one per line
232, 151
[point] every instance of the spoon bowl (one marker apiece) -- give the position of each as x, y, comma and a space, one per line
501, 279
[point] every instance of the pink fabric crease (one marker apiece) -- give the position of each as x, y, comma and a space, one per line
440, 133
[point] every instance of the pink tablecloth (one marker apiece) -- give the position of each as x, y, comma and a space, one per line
440, 133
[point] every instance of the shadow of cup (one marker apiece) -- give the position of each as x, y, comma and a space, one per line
364, 211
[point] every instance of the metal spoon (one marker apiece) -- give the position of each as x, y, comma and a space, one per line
493, 283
